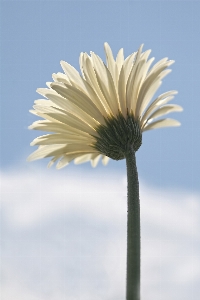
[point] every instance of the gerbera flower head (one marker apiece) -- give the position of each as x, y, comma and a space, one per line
103, 111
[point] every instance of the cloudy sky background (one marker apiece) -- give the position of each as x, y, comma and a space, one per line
63, 233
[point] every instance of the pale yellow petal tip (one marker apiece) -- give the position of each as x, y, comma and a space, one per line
171, 62
93, 164
105, 160
38, 90
106, 44
32, 110
60, 165
50, 164
48, 84
29, 158
178, 124
64, 64
141, 47
180, 109
54, 76
32, 143
30, 127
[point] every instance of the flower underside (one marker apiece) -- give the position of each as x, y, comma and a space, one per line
117, 135
99, 113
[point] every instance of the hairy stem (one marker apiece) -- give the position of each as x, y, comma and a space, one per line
133, 228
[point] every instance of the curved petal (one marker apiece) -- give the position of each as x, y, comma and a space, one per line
120, 59
56, 127
122, 92
132, 82
46, 151
92, 80
78, 98
95, 159
147, 97
128, 63
140, 76
60, 77
95, 99
162, 99
106, 84
161, 123
65, 160
73, 75
68, 106
111, 64
155, 75
82, 159
53, 160
60, 138
105, 160
163, 110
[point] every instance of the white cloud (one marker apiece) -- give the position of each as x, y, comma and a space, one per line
64, 237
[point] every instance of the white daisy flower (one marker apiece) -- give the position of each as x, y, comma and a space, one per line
98, 113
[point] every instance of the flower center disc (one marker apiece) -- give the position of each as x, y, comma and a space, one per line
118, 133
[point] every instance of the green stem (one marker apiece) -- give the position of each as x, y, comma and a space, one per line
133, 229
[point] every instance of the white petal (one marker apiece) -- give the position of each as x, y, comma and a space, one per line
40, 124
138, 54
145, 54
161, 62
95, 159
163, 74
105, 160
161, 100
48, 84
45, 102
42, 115
81, 100
106, 84
44, 91
120, 59
149, 95
56, 150
161, 123
140, 75
47, 109
111, 64
71, 148
48, 126
165, 110
46, 151
154, 75
132, 83
122, 92
92, 80
73, 75
128, 63
81, 63
65, 160
60, 77
71, 107
53, 160
59, 138
82, 159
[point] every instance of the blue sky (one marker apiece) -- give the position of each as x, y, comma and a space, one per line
35, 37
